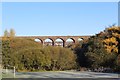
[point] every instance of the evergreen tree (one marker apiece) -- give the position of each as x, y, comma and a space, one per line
6, 33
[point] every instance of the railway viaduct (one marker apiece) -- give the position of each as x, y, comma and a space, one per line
53, 39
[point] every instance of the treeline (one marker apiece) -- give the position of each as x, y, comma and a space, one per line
28, 55
99, 51
10, 33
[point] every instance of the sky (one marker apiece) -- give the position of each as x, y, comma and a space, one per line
58, 18
60, 0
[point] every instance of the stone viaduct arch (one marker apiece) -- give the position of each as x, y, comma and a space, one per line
70, 41
54, 38
59, 43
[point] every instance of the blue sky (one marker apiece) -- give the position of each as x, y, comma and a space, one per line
60, 0
58, 18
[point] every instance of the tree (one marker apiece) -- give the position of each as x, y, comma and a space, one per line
12, 33
6, 33
6, 52
118, 63
101, 50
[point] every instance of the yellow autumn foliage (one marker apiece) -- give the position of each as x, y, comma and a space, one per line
111, 43
113, 28
111, 48
116, 35
110, 40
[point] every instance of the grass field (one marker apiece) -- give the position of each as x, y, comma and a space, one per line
8, 74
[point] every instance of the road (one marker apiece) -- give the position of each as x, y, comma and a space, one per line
65, 74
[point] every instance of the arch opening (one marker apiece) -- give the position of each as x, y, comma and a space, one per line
80, 39
59, 42
48, 42
38, 40
70, 41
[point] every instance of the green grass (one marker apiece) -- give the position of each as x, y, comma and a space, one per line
7, 75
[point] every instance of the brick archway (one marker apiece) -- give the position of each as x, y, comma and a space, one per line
63, 42
51, 41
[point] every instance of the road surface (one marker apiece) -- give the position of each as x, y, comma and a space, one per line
65, 74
